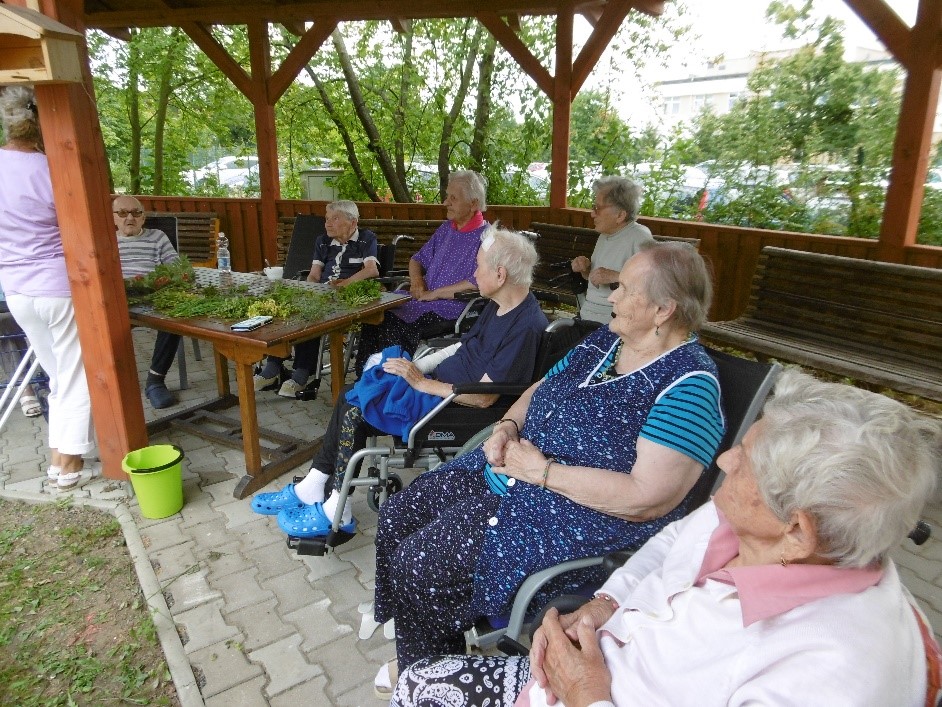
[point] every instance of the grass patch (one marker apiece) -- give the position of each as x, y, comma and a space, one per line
74, 625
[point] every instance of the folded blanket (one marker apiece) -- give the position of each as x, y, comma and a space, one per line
387, 401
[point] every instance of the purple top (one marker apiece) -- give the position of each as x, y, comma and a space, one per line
448, 257
31, 258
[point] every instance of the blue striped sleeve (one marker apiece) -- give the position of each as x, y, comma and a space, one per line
687, 417
560, 366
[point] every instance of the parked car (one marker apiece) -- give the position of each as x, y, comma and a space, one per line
230, 171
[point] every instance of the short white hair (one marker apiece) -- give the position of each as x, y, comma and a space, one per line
347, 208
473, 185
515, 252
18, 113
862, 465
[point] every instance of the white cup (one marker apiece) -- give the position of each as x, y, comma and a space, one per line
274, 273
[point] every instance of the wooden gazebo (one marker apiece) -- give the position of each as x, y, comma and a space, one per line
76, 152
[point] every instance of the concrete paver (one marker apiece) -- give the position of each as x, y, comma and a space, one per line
261, 624
223, 665
285, 665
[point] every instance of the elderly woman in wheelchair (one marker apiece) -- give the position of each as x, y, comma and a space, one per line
501, 347
600, 454
780, 591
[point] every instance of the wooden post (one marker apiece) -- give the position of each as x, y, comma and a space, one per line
913, 143
562, 107
267, 140
79, 170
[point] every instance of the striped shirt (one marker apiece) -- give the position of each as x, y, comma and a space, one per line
142, 253
687, 418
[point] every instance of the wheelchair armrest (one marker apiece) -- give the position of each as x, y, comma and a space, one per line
441, 343
468, 296
613, 560
393, 281
491, 388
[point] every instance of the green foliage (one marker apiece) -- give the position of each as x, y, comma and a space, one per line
283, 300
176, 274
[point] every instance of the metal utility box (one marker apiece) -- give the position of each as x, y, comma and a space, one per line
314, 184
37, 49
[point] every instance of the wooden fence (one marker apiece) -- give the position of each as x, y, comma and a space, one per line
732, 251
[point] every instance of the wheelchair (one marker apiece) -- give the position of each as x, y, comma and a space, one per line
445, 431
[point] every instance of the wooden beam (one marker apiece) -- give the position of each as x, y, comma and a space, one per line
152, 15
121, 33
592, 16
888, 28
79, 169
608, 25
217, 54
299, 56
562, 108
654, 8
296, 28
518, 50
913, 142
263, 105
513, 21
400, 25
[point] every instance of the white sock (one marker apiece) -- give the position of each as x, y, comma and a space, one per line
311, 488
52, 473
330, 507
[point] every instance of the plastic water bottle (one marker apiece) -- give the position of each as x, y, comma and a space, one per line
223, 262
223, 259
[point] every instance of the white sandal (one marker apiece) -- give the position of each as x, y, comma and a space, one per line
30, 406
386, 680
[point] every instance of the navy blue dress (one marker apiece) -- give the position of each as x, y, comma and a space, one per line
450, 544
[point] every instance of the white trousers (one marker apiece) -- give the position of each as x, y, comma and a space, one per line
49, 324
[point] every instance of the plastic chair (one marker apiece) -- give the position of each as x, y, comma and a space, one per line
444, 431
744, 386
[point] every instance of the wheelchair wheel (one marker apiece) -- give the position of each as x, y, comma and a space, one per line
393, 485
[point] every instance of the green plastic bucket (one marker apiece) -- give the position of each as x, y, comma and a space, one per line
157, 479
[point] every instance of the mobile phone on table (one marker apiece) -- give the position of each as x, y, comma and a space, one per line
251, 324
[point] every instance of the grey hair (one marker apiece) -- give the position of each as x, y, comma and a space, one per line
679, 274
18, 113
347, 208
514, 251
473, 185
621, 192
862, 465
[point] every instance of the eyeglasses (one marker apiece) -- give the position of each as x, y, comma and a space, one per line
597, 208
124, 213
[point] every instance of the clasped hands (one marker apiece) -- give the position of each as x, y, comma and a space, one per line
419, 292
509, 455
598, 277
566, 658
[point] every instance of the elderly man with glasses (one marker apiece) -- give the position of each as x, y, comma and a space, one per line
141, 250
615, 213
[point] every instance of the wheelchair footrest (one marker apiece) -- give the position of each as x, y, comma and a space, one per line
318, 546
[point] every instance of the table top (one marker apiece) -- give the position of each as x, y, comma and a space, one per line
279, 331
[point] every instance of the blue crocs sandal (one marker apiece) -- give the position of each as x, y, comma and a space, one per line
270, 504
310, 522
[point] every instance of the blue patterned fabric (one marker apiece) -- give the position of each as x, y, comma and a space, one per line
577, 421
449, 549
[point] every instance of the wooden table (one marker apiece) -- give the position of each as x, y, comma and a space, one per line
244, 350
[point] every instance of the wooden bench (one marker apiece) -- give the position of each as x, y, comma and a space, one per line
561, 244
196, 235
875, 322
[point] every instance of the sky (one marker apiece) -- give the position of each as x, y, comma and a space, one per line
732, 28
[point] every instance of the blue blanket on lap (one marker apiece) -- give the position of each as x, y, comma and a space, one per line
387, 401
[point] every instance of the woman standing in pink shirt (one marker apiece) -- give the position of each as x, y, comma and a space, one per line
33, 276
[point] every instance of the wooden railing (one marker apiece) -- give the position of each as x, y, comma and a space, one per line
732, 251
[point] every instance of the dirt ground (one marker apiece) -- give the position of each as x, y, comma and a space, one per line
74, 624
